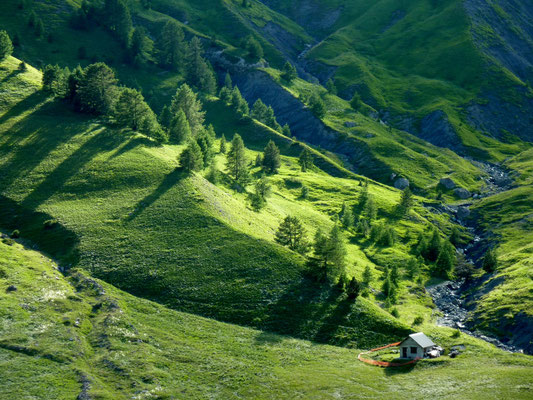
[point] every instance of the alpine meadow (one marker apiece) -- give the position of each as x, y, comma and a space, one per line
266, 199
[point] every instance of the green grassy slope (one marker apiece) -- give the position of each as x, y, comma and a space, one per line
509, 218
62, 338
128, 215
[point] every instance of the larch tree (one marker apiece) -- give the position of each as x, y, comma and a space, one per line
236, 163
187, 101
171, 46
305, 159
292, 234
97, 89
6, 47
271, 158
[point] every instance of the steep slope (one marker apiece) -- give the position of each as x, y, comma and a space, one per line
78, 337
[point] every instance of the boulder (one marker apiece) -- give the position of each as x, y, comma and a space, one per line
447, 183
461, 193
401, 183
463, 212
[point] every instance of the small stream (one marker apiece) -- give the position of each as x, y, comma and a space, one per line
449, 296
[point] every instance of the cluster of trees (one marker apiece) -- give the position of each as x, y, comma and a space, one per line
94, 90
232, 96
6, 47
265, 115
315, 103
170, 50
438, 252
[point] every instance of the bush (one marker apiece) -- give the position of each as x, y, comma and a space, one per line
8, 241
456, 334
304, 194
418, 321
395, 313
15, 234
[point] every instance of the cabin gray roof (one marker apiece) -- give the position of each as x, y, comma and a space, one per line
421, 339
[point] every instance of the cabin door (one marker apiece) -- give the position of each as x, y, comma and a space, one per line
404, 352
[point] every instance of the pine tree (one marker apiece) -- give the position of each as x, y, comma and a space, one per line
355, 102
228, 84
263, 187
6, 47
236, 162
205, 140
270, 119
317, 105
406, 202
434, 246
490, 261
255, 51
455, 237
259, 111
367, 277
370, 208
225, 95
413, 268
191, 157
130, 109
238, 103
286, 130
445, 264
97, 89
171, 46
337, 250
346, 216
305, 159
180, 130
363, 196
330, 86
53, 80
140, 46
292, 234
187, 101
199, 71
118, 19
352, 289
165, 118
289, 72
271, 158
223, 144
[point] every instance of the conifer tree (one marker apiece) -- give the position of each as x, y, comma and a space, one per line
223, 144
199, 71
118, 19
271, 158
130, 109
292, 234
370, 208
490, 261
445, 264
186, 100
286, 130
53, 80
191, 157
140, 46
180, 130
363, 196
353, 288
330, 86
238, 103
367, 277
236, 163
317, 105
165, 118
434, 246
225, 95
171, 46
39, 28
6, 47
305, 159
355, 102
406, 202
259, 111
97, 89
455, 237
255, 51
289, 72
228, 84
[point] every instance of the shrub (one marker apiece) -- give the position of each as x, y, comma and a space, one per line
15, 234
456, 334
418, 321
8, 241
395, 313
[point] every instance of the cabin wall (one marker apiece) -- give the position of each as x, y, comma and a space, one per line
408, 343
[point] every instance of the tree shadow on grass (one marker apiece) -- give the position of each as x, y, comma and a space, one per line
54, 239
391, 371
28, 103
55, 180
133, 143
166, 184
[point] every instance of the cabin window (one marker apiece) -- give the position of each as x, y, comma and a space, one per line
413, 350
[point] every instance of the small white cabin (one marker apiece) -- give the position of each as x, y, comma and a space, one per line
416, 345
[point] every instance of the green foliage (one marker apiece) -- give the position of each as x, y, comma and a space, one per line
54, 80
445, 265
171, 46
331, 88
292, 234
228, 84
271, 159
353, 289
355, 102
141, 46
236, 163
187, 101
289, 73
305, 159
419, 320
117, 19
6, 47
329, 259
367, 277
255, 51
191, 158
490, 261
130, 109
317, 105
199, 72
223, 144
238, 103
97, 90
406, 202
346, 216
